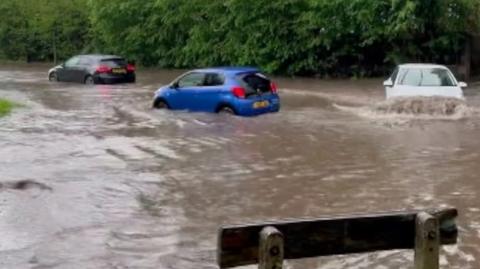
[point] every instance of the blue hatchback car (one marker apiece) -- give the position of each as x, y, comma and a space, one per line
242, 91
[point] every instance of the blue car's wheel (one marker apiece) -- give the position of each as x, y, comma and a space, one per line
160, 104
226, 110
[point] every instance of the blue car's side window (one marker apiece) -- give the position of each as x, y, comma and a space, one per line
191, 80
214, 79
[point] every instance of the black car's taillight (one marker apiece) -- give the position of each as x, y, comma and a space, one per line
103, 69
130, 68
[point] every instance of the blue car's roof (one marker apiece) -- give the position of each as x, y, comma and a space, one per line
230, 69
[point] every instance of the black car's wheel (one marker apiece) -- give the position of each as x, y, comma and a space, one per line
160, 104
53, 77
226, 110
89, 80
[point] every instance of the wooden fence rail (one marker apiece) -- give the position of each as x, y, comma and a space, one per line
268, 244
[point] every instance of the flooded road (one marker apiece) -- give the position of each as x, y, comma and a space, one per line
93, 178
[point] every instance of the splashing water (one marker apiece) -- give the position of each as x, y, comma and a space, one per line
433, 106
404, 109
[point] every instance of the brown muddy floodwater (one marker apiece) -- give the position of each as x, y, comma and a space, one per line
93, 178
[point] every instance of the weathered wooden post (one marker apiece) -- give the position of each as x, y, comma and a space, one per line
271, 251
427, 242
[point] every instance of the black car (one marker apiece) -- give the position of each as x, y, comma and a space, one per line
94, 69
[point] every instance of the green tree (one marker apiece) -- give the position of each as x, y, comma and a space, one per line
39, 30
306, 37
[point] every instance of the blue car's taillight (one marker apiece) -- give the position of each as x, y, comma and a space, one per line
273, 87
238, 92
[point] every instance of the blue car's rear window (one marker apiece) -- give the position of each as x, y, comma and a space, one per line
255, 83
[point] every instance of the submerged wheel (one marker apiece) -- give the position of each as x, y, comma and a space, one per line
160, 104
89, 80
53, 77
226, 110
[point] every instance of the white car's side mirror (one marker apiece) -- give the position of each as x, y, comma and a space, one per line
388, 83
462, 84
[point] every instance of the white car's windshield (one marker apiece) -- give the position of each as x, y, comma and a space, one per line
426, 77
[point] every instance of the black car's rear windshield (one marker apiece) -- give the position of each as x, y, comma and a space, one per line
255, 83
114, 62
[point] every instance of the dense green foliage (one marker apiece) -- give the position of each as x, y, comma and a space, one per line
33, 30
5, 107
326, 37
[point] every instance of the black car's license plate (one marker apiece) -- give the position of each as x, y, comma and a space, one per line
119, 71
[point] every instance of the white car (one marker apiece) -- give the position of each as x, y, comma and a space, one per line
411, 80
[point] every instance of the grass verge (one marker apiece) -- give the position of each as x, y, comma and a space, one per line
5, 107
